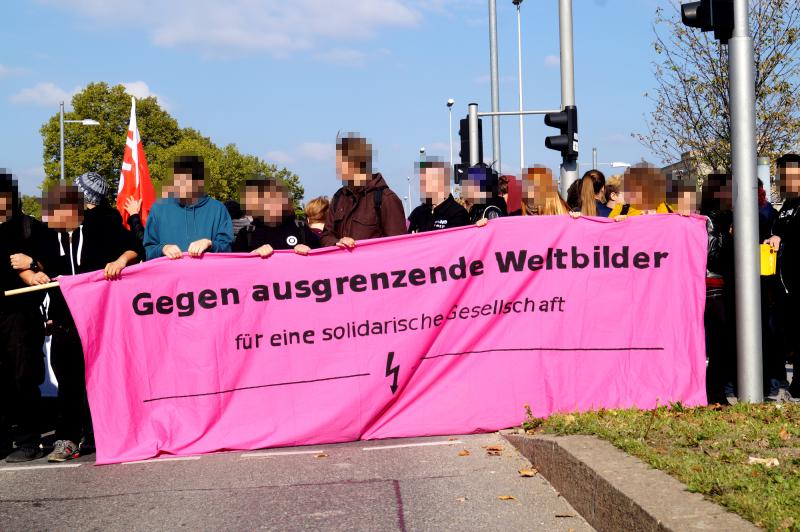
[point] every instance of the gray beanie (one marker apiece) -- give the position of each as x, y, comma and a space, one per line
93, 187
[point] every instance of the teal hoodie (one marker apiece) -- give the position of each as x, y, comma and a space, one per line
171, 222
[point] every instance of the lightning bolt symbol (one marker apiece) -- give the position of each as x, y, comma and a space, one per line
392, 371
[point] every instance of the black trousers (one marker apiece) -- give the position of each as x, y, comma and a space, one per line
720, 326
66, 357
21, 373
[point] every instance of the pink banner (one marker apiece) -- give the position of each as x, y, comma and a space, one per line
444, 333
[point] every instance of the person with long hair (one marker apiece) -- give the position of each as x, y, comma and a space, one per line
592, 194
539, 193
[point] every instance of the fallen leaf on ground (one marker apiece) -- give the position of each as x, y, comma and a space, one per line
463, 452
528, 472
452, 439
766, 462
461, 499
565, 515
784, 434
320, 455
494, 450
507, 498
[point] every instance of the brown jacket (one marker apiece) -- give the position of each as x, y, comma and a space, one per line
352, 213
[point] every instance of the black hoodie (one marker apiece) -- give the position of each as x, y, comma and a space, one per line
287, 235
493, 208
787, 226
447, 214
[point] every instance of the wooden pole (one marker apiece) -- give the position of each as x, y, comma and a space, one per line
29, 289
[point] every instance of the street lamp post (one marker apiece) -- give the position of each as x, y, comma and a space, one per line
615, 164
61, 121
518, 3
450, 103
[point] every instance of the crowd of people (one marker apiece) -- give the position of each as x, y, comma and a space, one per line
83, 232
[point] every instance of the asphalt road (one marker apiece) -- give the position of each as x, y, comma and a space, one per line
410, 484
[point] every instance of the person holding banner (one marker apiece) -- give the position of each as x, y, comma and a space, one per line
189, 220
540, 193
438, 210
86, 235
365, 207
274, 225
479, 191
21, 330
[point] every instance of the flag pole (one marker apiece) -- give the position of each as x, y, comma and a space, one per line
28, 289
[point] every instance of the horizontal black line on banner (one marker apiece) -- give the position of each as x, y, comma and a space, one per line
517, 349
275, 384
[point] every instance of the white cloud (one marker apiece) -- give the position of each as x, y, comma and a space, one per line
140, 89
277, 27
279, 157
44, 94
552, 61
318, 151
6, 71
347, 57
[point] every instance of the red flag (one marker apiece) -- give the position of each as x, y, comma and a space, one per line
134, 180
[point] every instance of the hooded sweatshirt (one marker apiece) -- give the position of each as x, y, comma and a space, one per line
428, 217
287, 235
353, 213
171, 222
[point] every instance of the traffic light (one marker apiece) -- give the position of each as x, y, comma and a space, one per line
710, 15
463, 132
567, 142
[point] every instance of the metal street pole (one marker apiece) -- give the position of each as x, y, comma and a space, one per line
594, 158
61, 124
450, 103
569, 169
472, 121
518, 3
745, 207
494, 81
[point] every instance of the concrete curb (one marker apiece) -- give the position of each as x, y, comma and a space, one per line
615, 491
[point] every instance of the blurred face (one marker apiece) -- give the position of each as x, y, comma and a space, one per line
5, 207
64, 217
349, 171
617, 197
472, 193
270, 206
537, 187
687, 202
184, 187
434, 183
635, 196
791, 176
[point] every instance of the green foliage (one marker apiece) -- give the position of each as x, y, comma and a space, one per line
101, 148
691, 112
32, 206
709, 450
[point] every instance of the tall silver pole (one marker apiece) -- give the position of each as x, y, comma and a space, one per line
495, 82
61, 126
569, 169
594, 158
519, 78
472, 121
450, 113
745, 207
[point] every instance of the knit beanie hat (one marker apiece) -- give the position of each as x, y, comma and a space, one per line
93, 187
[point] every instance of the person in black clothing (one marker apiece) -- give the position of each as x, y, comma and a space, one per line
275, 225
786, 239
479, 191
438, 210
83, 238
21, 330
720, 317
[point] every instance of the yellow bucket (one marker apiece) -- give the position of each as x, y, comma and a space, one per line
769, 260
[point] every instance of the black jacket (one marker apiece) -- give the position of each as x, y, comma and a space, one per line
787, 226
100, 239
720, 242
443, 216
285, 236
18, 235
493, 208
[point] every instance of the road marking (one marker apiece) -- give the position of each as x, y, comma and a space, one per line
424, 444
31, 468
284, 453
156, 460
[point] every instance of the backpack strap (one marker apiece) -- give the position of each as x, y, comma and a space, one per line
625, 209
301, 226
377, 200
669, 209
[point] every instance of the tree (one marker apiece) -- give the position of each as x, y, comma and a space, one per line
32, 206
101, 148
691, 103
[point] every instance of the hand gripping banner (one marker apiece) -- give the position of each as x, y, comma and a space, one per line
445, 333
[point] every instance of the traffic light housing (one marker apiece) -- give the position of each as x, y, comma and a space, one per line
567, 142
463, 132
710, 15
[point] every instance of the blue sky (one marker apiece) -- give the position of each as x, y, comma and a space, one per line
279, 78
